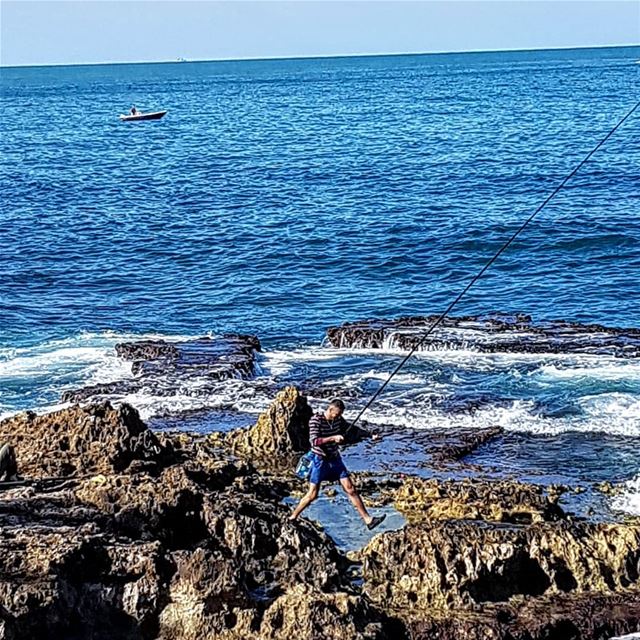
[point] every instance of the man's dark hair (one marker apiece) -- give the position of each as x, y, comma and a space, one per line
336, 402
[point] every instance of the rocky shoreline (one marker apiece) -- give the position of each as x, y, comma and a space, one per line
120, 531
489, 333
163, 366
178, 536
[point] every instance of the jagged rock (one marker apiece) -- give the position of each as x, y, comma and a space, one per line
301, 612
501, 501
185, 548
207, 599
171, 538
496, 332
458, 564
61, 584
281, 430
163, 369
608, 488
268, 551
94, 439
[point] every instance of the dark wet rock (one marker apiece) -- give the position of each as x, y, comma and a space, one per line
419, 451
586, 617
490, 333
147, 350
231, 356
463, 442
421, 500
165, 369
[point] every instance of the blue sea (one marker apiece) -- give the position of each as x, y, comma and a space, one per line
282, 197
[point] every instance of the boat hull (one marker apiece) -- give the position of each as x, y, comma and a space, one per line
156, 115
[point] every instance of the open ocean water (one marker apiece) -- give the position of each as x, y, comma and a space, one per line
281, 197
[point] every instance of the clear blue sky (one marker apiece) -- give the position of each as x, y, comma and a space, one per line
54, 32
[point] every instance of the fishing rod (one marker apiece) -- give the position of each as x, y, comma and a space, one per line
522, 227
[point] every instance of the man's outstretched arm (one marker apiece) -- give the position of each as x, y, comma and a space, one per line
355, 433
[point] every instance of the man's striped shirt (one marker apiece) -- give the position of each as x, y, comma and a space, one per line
320, 427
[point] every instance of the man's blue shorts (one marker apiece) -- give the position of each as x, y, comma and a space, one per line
327, 469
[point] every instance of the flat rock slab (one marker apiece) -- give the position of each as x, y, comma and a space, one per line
161, 368
498, 332
423, 452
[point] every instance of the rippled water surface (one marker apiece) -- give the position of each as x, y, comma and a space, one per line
282, 197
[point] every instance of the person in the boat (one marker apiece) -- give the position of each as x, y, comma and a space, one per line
8, 464
327, 431
133, 111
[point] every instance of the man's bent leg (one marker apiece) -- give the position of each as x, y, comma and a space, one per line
306, 500
355, 498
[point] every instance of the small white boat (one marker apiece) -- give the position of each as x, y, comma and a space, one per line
155, 115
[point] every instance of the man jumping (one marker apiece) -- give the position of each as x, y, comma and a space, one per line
326, 432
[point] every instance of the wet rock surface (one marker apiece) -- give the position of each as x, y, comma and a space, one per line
163, 369
454, 445
498, 332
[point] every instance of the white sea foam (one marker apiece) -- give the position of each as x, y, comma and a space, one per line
232, 394
593, 368
93, 364
282, 361
56, 366
400, 378
279, 362
415, 399
614, 406
616, 413
629, 500
84, 339
519, 416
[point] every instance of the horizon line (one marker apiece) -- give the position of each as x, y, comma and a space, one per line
317, 56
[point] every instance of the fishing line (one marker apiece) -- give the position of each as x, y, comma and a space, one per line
491, 261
